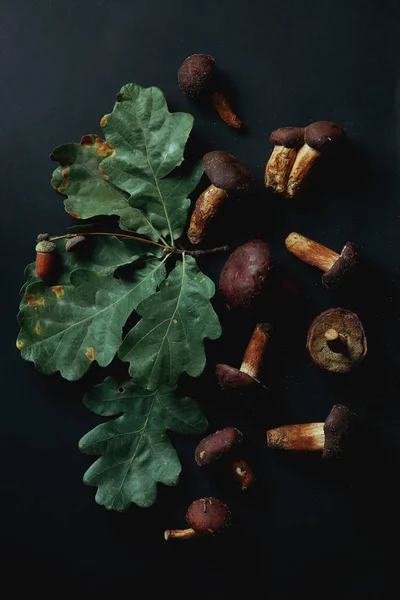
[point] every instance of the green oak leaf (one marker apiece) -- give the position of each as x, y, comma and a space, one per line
89, 193
148, 144
66, 328
168, 340
103, 254
136, 452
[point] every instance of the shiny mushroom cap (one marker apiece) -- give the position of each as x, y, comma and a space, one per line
225, 171
215, 445
196, 74
290, 137
208, 515
324, 135
336, 429
343, 268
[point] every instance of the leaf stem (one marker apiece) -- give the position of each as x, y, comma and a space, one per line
197, 252
123, 235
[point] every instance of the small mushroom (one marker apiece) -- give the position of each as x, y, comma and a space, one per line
243, 276
320, 138
338, 268
329, 437
336, 340
219, 445
287, 141
296, 150
196, 76
229, 177
247, 376
205, 516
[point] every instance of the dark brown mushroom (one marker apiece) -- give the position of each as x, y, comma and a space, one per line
336, 340
229, 178
320, 138
330, 437
206, 516
231, 378
338, 268
287, 140
222, 444
196, 76
243, 276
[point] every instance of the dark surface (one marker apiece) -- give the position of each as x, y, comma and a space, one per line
309, 529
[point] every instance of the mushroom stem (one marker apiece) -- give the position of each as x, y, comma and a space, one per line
225, 111
304, 438
278, 168
305, 159
336, 341
255, 351
243, 473
179, 534
311, 252
205, 209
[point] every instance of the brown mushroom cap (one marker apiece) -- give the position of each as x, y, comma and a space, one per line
208, 515
350, 327
230, 378
196, 74
244, 273
225, 171
290, 137
343, 268
323, 135
336, 428
217, 444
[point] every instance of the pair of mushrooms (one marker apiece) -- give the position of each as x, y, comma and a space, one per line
296, 150
210, 516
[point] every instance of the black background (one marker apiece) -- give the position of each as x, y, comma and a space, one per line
309, 529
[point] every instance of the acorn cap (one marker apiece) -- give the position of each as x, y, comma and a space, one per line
212, 447
208, 515
343, 268
196, 74
350, 327
225, 171
230, 378
243, 275
290, 137
45, 247
73, 242
336, 429
324, 135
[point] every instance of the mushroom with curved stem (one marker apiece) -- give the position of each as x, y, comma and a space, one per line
244, 274
329, 438
206, 516
229, 178
196, 76
287, 140
247, 376
338, 268
336, 340
319, 138
220, 444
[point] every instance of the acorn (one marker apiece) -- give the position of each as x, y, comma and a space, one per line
72, 244
45, 257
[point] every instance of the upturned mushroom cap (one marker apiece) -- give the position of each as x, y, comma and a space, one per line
324, 135
230, 378
290, 137
343, 268
225, 171
336, 428
208, 515
196, 74
217, 444
350, 327
244, 273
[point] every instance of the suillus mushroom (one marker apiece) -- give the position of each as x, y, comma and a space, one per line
287, 140
221, 444
244, 273
336, 340
338, 268
296, 151
247, 376
196, 76
329, 438
206, 516
229, 178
